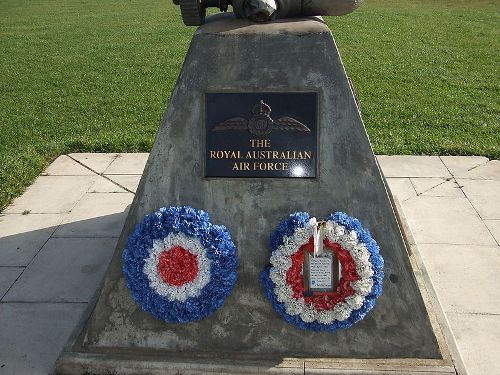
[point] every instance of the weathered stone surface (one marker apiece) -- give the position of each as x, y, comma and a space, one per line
300, 55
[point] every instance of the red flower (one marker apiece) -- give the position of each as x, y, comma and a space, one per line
177, 266
294, 276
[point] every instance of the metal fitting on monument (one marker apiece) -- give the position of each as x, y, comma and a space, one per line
260, 10
194, 11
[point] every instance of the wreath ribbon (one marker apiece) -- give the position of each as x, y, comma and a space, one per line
361, 264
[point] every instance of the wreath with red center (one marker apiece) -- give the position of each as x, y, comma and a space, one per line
361, 278
178, 265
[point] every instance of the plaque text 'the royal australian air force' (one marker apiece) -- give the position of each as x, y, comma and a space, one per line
261, 135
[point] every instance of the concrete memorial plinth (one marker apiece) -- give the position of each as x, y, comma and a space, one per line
295, 68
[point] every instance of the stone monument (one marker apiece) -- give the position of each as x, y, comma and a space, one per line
262, 123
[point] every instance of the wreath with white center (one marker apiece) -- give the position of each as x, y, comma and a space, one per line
178, 265
361, 276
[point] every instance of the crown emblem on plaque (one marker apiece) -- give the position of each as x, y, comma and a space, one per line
261, 123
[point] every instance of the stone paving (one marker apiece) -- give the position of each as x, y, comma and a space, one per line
57, 239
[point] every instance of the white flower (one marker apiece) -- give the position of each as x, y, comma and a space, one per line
341, 311
307, 315
284, 293
303, 235
281, 262
294, 307
363, 287
354, 302
190, 289
326, 317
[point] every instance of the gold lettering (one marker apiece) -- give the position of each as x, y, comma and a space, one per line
258, 166
260, 143
241, 166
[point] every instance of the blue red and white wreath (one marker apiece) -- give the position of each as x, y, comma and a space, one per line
361, 272
178, 265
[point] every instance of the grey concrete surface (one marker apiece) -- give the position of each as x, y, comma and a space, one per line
32, 336
349, 180
67, 270
24, 235
494, 228
47, 197
97, 162
474, 266
127, 164
478, 337
66, 166
481, 193
464, 226
108, 208
413, 166
8, 275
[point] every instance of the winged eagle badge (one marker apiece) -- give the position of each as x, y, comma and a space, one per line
261, 122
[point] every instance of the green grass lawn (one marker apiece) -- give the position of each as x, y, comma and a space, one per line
87, 75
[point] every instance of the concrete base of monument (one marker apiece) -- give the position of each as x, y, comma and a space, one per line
77, 359
294, 66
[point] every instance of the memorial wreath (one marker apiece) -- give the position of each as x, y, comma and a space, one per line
361, 266
178, 265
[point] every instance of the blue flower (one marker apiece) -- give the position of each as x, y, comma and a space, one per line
297, 220
219, 249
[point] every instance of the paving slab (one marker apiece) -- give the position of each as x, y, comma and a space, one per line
128, 164
104, 185
22, 236
460, 165
402, 188
98, 162
96, 215
424, 184
65, 166
436, 187
487, 171
66, 270
494, 227
484, 196
118, 184
446, 220
52, 194
7, 277
131, 182
32, 335
466, 277
478, 337
445, 189
412, 166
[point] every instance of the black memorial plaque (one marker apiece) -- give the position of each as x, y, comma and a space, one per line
261, 135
